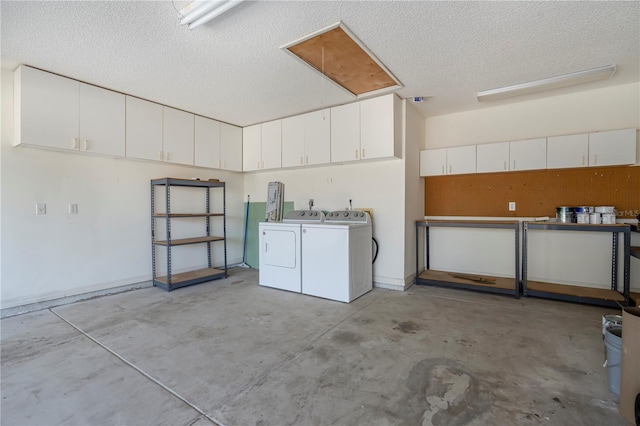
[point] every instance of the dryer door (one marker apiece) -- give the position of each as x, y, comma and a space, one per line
280, 257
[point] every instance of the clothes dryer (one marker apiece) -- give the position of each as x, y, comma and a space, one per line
280, 250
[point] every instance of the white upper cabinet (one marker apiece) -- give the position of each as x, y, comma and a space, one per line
493, 157
567, 151
345, 133
144, 129
529, 154
217, 145
448, 161
615, 147
433, 162
306, 139
272, 144
230, 147
381, 127
252, 148
293, 131
317, 137
262, 146
102, 118
178, 139
461, 160
46, 109
207, 142
57, 112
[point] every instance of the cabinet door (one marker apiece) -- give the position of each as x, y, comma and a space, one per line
567, 151
492, 157
345, 133
293, 130
530, 154
143, 129
251, 148
461, 160
317, 137
612, 148
378, 127
272, 144
101, 121
207, 142
433, 162
178, 136
46, 108
230, 147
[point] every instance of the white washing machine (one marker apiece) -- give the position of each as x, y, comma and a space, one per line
337, 258
280, 250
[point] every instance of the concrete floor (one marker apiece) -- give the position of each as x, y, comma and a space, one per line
234, 353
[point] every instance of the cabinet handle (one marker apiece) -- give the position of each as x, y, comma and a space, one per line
75, 143
85, 145
595, 159
363, 153
301, 162
583, 160
160, 155
262, 165
218, 164
307, 158
443, 169
222, 164
266, 247
449, 168
504, 166
356, 154
166, 156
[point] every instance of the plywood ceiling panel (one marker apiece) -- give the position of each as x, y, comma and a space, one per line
339, 57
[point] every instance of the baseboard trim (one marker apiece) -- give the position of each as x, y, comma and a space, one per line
47, 304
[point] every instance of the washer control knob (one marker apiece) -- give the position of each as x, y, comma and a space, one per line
346, 214
301, 213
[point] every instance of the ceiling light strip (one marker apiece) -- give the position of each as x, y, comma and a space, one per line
201, 12
564, 80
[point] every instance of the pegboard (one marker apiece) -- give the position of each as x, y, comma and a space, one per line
537, 193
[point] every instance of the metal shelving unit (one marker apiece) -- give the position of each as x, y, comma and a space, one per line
501, 285
593, 296
172, 281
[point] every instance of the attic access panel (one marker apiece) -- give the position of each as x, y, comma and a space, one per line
338, 55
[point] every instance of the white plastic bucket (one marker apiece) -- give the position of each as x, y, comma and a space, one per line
613, 343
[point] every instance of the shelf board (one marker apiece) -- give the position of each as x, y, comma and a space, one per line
454, 277
194, 240
188, 182
195, 275
188, 214
575, 291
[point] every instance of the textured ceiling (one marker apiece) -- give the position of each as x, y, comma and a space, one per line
232, 68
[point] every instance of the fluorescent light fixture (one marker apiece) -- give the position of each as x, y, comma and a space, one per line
558, 81
202, 11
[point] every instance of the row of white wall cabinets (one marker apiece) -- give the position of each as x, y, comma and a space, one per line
617, 147
57, 112
365, 130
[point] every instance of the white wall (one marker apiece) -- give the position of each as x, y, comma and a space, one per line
414, 185
569, 258
377, 185
107, 244
609, 108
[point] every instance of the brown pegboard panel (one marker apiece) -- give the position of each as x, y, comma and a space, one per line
536, 193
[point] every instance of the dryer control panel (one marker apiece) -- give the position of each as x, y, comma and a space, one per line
348, 216
299, 216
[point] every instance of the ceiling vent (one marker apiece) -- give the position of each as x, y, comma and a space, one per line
338, 55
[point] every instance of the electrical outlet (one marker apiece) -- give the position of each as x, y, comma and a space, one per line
41, 208
73, 208
512, 206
